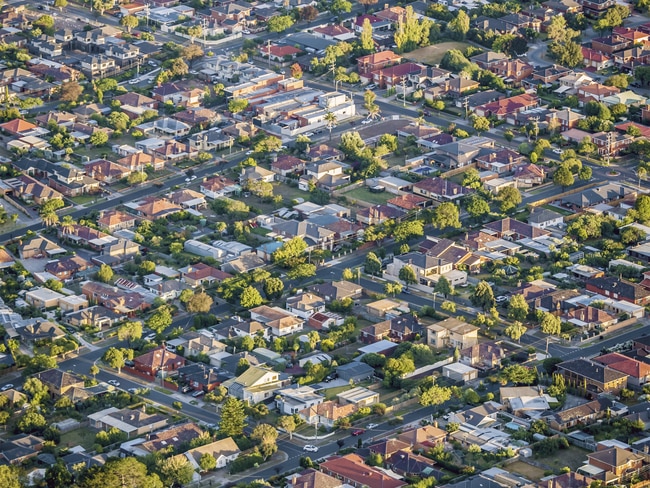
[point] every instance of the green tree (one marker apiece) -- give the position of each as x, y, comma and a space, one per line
129, 21
510, 198
518, 374
446, 215
207, 462
279, 23
273, 288
515, 331
477, 207
160, 320
233, 417
288, 424
563, 177
620, 81
36, 390
338, 7
94, 370
56, 476
114, 357
444, 287
372, 264
483, 296
71, 91
551, 324
347, 275
407, 230
237, 105
175, 471
125, 472
266, 435
585, 173
471, 397
10, 477
119, 121
31, 421
194, 32
99, 138
436, 395
459, 26
200, 303
407, 275
291, 253
480, 124
448, 306
518, 308
130, 331
365, 39
250, 298
105, 273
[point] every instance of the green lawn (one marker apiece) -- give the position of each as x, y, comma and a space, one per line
365, 195
433, 54
574, 457
331, 393
79, 437
559, 210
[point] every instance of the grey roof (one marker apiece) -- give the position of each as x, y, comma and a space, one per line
539, 215
307, 41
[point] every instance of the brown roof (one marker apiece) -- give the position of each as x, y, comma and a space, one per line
200, 271
330, 410
160, 358
314, 479
380, 57
408, 201
114, 217
508, 225
134, 99
615, 456
353, 467
624, 364
135, 161
158, 207
17, 126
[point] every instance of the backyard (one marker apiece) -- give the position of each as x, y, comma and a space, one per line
573, 457
434, 54
365, 195
526, 470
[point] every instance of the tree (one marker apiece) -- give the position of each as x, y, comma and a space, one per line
373, 264
114, 357
160, 320
273, 288
459, 26
407, 230
129, 21
446, 215
483, 296
480, 124
338, 7
98, 138
477, 207
176, 470
56, 476
279, 23
365, 40
436, 395
36, 390
288, 424
444, 287
194, 31
367, 3
519, 374
9, 477
291, 253
563, 177
471, 397
568, 54
130, 331
105, 273
250, 298
237, 105
200, 303
411, 31
71, 91
207, 462
125, 472
392, 289
620, 81
347, 274
233, 415
302, 271
308, 13
448, 306
119, 121
264, 434
515, 331
551, 324
407, 275
510, 198
518, 308
585, 173
642, 207
94, 370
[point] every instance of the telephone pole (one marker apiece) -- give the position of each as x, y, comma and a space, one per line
466, 106
610, 140
404, 91
268, 49
334, 73
535, 125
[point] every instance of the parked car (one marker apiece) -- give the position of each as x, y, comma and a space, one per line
371, 86
134, 391
501, 299
113, 382
558, 151
365, 122
310, 448
150, 337
186, 389
372, 426
198, 393
358, 432
130, 363
8, 386
248, 153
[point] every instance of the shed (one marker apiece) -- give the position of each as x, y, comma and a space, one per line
459, 372
355, 371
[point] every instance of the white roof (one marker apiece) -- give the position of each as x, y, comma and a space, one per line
459, 368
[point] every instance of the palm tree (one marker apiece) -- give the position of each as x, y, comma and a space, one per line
373, 111
67, 224
50, 218
331, 120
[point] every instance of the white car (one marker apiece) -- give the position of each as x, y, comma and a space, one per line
248, 153
309, 134
246, 32
372, 426
8, 386
193, 177
150, 337
366, 122
501, 299
558, 151
310, 448
134, 81
113, 382
187, 180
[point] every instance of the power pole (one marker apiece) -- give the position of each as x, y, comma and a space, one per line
466, 106
268, 48
404, 91
334, 73
610, 138
535, 125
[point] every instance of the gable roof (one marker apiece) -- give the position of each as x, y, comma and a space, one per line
592, 370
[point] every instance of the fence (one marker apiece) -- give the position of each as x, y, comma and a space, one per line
559, 196
455, 171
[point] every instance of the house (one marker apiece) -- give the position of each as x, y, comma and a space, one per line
280, 323
305, 305
325, 320
460, 153
279, 53
476, 418
594, 196
379, 214
106, 171
158, 360
201, 274
525, 400
337, 290
361, 397
638, 372
541, 218
256, 384
591, 318
224, 451
20, 449
406, 463
512, 71
440, 189
513, 230
400, 328
581, 414
133, 423
617, 462
388, 447
487, 59
453, 333
290, 401
504, 108
97, 316
219, 187
452, 88
592, 377
200, 377
427, 268
423, 438
352, 470
392, 76
153, 208
500, 161
59, 382
31, 190
564, 119
459, 372
286, 164
140, 160
67, 268
355, 371
596, 59
595, 92
374, 62
313, 234
334, 32
42, 298
326, 413
202, 343
112, 220
619, 289
486, 355
173, 437
528, 175
310, 478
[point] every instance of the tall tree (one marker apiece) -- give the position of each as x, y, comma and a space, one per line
365, 39
483, 296
563, 177
129, 21
515, 331
446, 215
125, 472
459, 26
551, 324
200, 303
518, 308
250, 298
10, 477
288, 424
233, 417
331, 119
444, 287
130, 331
510, 198
176, 471
372, 264
105, 273
114, 357
160, 320
407, 275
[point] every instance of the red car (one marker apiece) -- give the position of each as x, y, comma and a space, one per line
358, 432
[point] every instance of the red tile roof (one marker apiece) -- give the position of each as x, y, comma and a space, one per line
352, 467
